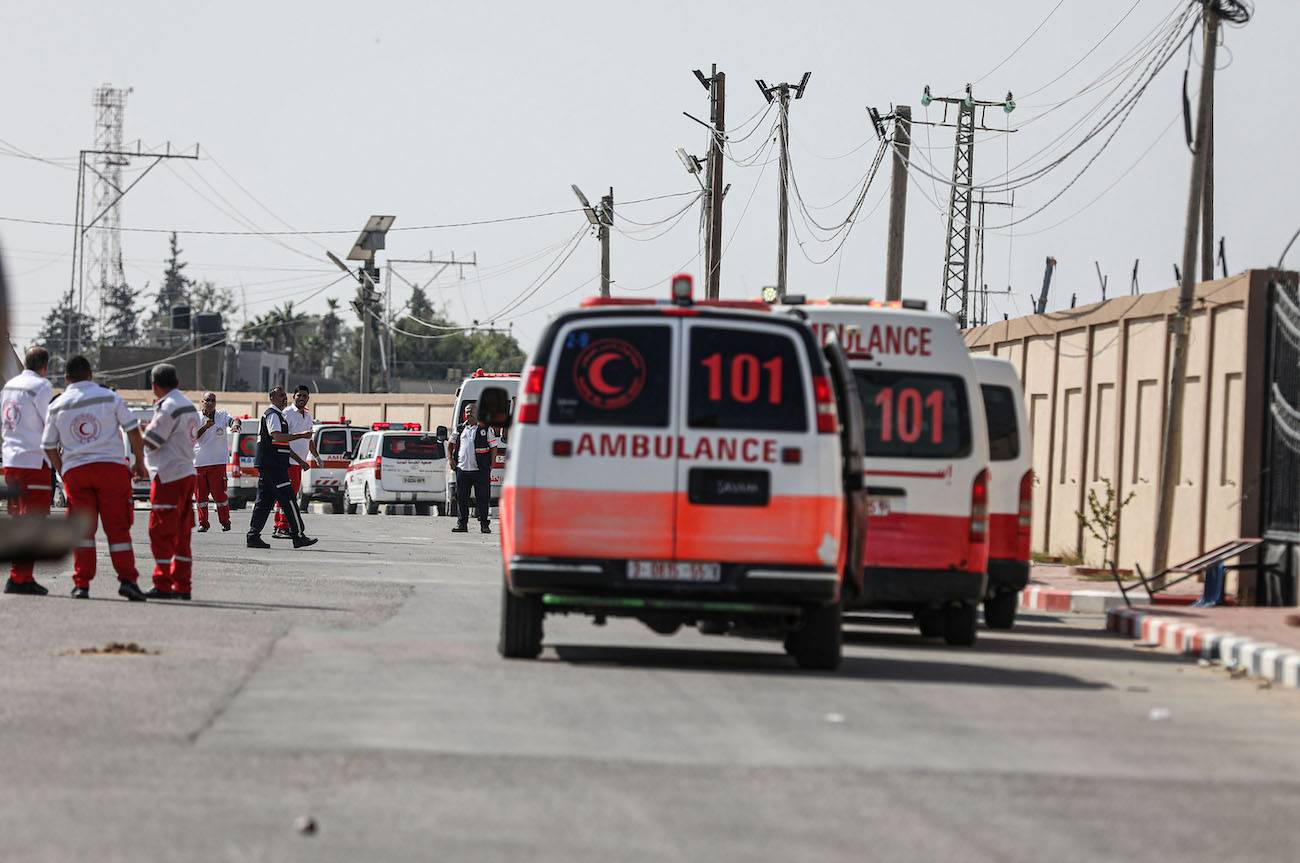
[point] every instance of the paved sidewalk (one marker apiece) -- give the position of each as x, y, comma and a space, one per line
1057, 588
1264, 642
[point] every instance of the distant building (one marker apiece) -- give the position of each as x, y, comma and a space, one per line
257, 370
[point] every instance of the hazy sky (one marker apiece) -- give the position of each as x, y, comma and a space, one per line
326, 112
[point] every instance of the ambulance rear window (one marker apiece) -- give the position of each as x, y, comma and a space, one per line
745, 379
1004, 435
612, 375
413, 447
333, 442
914, 415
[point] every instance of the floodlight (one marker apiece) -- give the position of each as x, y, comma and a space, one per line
770, 294
802, 84
689, 162
586, 206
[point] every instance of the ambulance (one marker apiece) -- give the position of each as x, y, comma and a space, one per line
681, 462
241, 473
1011, 489
397, 463
927, 454
467, 395
335, 443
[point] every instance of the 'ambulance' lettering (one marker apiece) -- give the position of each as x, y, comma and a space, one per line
749, 450
879, 339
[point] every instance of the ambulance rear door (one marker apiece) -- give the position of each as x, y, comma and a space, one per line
412, 462
753, 483
598, 479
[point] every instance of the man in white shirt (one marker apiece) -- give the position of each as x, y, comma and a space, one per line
472, 451
24, 404
169, 451
299, 420
83, 441
211, 452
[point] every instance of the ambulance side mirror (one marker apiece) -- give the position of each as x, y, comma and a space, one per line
494, 406
440, 432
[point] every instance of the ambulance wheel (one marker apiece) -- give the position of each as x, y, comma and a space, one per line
421, 509
453, 508
930, 623
336, 505
303, 502
348, 506
440, 509
959, 625
237, 503
521, 626
1000, 611
817, 645
372, 508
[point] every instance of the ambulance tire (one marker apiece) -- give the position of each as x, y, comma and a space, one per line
336, 505
1000, 611
237, 503
960, 625
422, 509
930, 623
304, 503
521, 625
372, 508
818, 644
453, 508
440, 509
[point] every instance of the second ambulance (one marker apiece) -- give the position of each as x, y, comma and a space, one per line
927, 455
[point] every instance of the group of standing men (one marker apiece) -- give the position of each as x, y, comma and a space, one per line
79, 436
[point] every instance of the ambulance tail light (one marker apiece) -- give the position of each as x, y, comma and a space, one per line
827, 419
530, 403
1026, 515
234, 463
379, 463
979, 508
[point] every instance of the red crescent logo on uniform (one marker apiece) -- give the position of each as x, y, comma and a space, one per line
13, 416
609, 374
85, 428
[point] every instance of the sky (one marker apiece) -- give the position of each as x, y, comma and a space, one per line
313, 116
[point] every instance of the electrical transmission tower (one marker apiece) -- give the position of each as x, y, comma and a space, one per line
955, 298
105, 259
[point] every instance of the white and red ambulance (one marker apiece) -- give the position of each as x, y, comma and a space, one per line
241, 473
1011, 489
927, 456
335, 443
467, 395
678, 463
397, 463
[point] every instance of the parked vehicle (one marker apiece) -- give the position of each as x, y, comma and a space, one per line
1011, 489
398, 463
241, 473
681, 463
927, 454
324, 481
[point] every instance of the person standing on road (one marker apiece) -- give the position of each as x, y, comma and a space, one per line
299, 420
83, 441
472, 451
211, 453
24, 404
169, 453
273, 458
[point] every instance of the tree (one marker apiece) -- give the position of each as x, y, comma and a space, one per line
121, 315
54, 330
1102, 518
207, 296
331, 328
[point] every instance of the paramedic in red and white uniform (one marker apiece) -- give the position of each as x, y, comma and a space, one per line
299, 420
169, 450
23, 407
83, 440
211, 452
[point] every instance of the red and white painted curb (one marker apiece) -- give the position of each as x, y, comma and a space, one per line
1072, 601
1260, 658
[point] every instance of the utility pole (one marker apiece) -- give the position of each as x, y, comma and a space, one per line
781, 92
1171, 450
1040, 306
368, 242
1207, 194
442, 265
602, 219
902, 145
716, 84
955, 296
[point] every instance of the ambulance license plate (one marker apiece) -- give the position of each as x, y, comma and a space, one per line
667, 570
413, 479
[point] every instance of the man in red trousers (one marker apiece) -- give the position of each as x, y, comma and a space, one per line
211, 452
24, 404
169, 441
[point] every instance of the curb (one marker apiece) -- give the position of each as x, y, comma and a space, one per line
1073, 601
1264, 659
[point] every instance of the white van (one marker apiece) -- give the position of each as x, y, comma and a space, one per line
1011, 489
335, 442
467, 395
927, 457
680, 463
241, 473
397, 463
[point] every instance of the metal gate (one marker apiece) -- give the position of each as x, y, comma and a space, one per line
1281, 464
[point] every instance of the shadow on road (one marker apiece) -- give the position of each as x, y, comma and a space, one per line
856, 667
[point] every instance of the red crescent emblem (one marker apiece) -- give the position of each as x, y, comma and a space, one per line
609, 374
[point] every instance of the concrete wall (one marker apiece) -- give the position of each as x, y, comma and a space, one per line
428, 409
1095, 382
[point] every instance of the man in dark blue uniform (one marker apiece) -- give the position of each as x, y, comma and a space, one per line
473, 450
273, 485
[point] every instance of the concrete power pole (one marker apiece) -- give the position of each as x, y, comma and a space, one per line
898, 202
717, 85
781, 92
602, 219
1171, 450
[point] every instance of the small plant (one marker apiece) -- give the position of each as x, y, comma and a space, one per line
1102, 517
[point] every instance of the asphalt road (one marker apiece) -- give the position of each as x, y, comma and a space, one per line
357, 683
